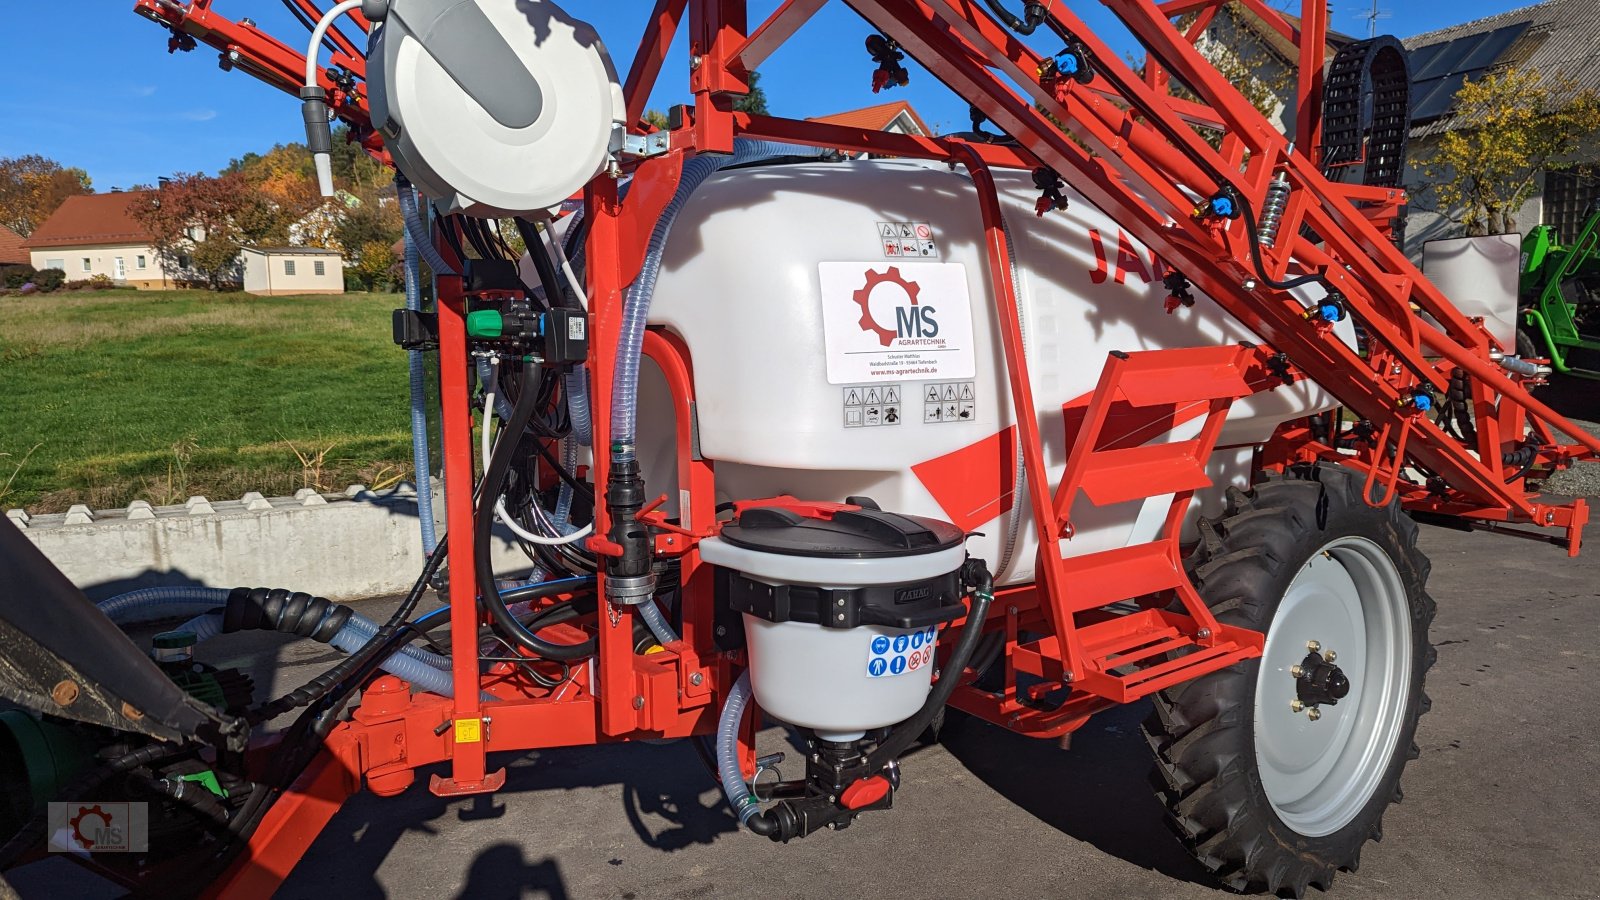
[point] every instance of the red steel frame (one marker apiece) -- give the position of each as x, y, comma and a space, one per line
1140, 162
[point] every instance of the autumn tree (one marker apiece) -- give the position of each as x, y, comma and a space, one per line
375, 264
202, 218
755, 102
1509, 127
31, 187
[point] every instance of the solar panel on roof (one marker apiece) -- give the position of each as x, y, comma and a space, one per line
1439, 70
1494, 43
1437, 98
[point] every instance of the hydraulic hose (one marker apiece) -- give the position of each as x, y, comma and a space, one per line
421, 455
733, 784
494, 476
976, 574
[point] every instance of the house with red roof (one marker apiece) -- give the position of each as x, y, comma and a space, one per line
896, 117
12, 253
96, 234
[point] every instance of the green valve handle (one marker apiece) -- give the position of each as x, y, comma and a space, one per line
485, 324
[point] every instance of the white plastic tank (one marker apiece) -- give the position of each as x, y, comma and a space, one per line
785, 282
841, 610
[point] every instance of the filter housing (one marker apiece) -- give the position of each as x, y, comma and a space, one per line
841, 608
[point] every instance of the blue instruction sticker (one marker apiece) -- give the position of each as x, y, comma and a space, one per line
904, 652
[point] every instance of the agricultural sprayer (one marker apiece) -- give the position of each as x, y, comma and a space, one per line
853, 431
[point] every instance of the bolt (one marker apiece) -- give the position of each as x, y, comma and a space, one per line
696, 678
1313, 714
1313, 646
1296, 671
1203, 634
1330, 656
1011, 610
696, 61
833, 798
839, 617
816, 757
638, 702
1397, 369
1296, 705
839, 602
1068, 677
722, 630
65, 692
1248, 284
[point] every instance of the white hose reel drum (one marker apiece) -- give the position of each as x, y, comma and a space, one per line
492, 107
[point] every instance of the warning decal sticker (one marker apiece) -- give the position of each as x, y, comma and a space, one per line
902, 240
890, 656
868, 405
904, 321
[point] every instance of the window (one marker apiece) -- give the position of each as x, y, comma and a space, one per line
319, 267
1569, 196
139, 261
88, 266
56, 264
183, 261
288, 267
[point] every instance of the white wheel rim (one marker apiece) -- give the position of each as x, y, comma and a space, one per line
1319, 774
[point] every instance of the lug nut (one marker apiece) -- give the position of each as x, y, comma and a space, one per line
1330, 656
1296, 705
1313, 714
1296, 671
1313, 646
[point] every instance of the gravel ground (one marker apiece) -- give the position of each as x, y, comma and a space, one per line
1579, 400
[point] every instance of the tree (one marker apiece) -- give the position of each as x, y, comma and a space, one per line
32, 187
755, 102
374, 219
375, 264
656, 118
1512, 126
203, 218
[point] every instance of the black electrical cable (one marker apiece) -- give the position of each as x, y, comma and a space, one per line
493, 478
549, 278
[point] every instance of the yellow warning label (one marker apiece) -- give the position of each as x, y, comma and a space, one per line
469, 731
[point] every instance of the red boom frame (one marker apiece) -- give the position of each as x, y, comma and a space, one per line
1138, 161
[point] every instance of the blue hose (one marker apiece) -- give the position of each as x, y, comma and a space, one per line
421, 457
636, 302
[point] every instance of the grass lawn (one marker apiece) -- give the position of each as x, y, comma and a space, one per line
114, 396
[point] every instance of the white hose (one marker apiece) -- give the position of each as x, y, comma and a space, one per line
324, 160
320, 31
530, 537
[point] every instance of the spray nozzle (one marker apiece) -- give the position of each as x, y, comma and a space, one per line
319, 136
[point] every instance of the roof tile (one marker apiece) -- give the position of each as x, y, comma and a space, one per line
89, 219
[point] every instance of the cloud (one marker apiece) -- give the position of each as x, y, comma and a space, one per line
141, 90
198, 115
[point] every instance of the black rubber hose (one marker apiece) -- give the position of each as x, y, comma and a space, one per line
319, 686
977, 575
506, 625
288, 612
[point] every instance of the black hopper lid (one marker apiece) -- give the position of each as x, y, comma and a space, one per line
864, 533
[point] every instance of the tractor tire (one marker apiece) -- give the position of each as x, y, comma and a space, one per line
1268, 798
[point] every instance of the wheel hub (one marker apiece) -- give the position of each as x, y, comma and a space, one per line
1317, 680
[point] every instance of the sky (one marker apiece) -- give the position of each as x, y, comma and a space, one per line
95, 88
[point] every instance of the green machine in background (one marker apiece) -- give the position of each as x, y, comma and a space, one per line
1558, 298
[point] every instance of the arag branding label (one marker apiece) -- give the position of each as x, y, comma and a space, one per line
896, 321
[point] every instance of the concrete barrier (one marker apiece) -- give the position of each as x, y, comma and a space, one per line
343, 546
